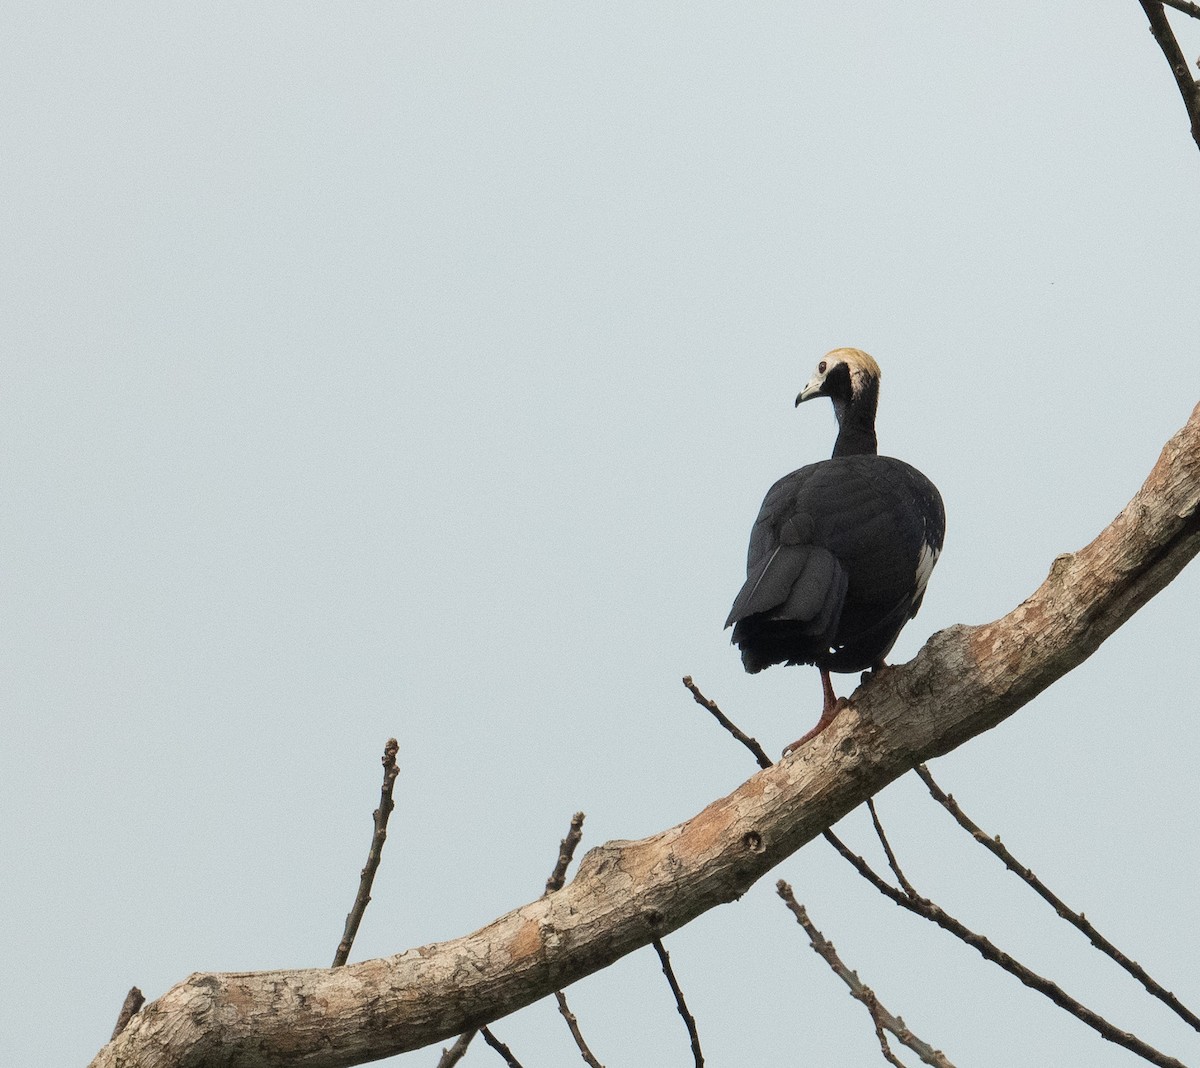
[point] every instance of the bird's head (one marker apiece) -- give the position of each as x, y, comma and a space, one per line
843, 375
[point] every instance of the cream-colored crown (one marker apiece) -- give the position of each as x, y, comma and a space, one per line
858, 362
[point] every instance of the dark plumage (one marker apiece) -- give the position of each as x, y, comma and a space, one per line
842, 549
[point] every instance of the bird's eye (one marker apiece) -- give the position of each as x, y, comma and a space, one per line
821, 368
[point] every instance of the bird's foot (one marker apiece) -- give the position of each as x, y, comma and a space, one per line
877, 671
827, 717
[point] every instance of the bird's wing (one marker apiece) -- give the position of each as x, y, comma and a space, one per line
804, 583
789, 575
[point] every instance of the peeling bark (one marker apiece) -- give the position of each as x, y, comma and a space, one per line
626, 893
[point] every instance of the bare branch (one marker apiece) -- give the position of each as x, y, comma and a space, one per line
1160, 27
884, 1020
689, 1021
566, 851
500, 1048
573, 1026
936, 914
374, 855
454, 1054
760, 755
1186, 6
134, 1000
966, 680
893, 863
1076, 919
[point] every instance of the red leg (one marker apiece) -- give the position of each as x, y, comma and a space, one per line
833, 705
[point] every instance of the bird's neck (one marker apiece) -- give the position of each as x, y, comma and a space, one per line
856, 423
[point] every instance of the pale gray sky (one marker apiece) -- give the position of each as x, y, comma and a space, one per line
417, 370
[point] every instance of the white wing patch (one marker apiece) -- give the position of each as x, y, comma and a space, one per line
929, 556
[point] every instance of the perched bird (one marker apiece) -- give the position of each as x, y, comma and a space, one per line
842, 549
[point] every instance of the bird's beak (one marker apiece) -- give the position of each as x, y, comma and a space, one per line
813, 389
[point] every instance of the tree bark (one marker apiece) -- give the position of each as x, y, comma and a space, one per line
964, 681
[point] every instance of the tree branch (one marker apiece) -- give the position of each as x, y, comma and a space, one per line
1186, 6
1189, 89
756, 750
689, 1021
566, 853
454, 1054
966, 680
374, 854
133, 1001
1077, 919
500, 1048
884, 1020
929, 910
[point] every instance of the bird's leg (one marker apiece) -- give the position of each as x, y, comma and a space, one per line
833, 705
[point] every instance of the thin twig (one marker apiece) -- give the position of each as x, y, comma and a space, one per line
1076, 919
760, 755
573, 1026
884, 1020
912, 901
133, 1001
689, 1021
566, 850
1186, 6
765, 761
500, 1048
367, 877
936, 914
454, 1054
893, 863
1189, 89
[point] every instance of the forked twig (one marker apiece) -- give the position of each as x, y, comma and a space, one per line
367, 877
1186, 6
1076, 919
936, 914
1189, 89
884, 1020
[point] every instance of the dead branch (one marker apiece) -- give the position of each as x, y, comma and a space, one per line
589, 1058
454, 1054
760, 754
374, 854
627, 893
884, 1020
1189, 89
500, 1048
1186, 6
1076, 919
893, 863
933, 912
566, 853
134, 1000
689, 1021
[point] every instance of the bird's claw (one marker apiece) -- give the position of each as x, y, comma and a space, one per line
827, 717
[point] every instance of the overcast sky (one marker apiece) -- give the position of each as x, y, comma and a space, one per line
418, 369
